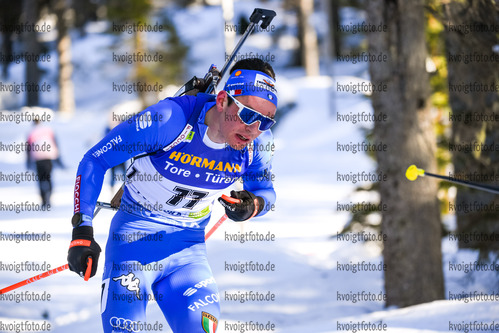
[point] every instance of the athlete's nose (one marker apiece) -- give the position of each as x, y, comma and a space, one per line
253, 128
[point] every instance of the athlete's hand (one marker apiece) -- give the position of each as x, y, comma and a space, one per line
83, 246
248, 206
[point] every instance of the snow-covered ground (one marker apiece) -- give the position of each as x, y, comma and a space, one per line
307, 287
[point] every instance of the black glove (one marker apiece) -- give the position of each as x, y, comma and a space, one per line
83, 246
249, 206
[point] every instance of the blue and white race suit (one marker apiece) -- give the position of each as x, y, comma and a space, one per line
156, 249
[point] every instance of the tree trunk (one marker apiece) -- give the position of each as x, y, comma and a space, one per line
66, 89
30, 8
140, 69
411, 222
9, 16
309, 47
229, 32
334, 14
468, 126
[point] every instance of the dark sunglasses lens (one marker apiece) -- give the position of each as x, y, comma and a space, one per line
266, 124
249, 116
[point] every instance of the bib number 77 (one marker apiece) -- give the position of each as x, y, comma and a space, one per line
182, 193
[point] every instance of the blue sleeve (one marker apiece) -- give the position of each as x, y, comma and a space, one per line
258, 179
148, 131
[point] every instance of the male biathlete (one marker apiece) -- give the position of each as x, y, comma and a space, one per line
196, 147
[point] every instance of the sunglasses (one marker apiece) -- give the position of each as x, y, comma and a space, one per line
249, 116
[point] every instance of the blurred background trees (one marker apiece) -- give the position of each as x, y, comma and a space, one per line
422, 111
468, 126
68, 19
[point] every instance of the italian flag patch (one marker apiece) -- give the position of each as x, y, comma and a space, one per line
209, 323
189, 136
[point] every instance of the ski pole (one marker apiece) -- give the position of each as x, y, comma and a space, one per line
223, 218
100, 205
259, 14
215, 227
47, 274
106, 205
213, 76
413, 172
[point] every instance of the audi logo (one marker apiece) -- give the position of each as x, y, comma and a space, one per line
124, 324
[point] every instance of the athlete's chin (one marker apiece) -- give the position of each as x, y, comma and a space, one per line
238, 142
237, 146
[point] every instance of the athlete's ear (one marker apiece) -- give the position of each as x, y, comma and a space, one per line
222, 100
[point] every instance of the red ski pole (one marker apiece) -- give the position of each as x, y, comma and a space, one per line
47, 274
223, 218
89, 263
215, 227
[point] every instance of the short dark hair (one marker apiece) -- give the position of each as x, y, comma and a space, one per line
253, 64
